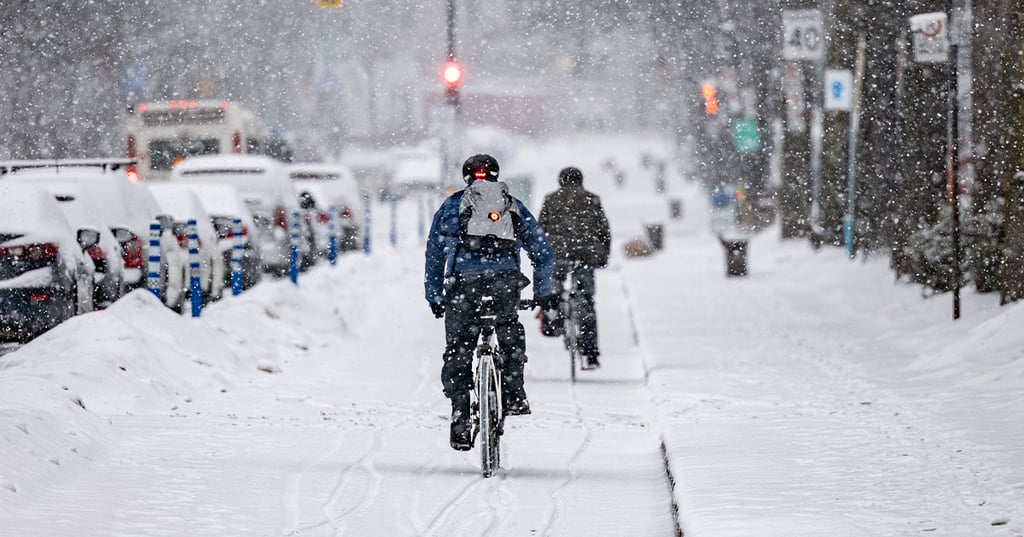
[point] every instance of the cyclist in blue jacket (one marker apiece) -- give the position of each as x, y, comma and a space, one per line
473, 251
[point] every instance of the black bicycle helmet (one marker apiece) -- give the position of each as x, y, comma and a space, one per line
571, 176
480, 166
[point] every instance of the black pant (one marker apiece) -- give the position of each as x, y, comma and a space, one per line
585, 288
462, 329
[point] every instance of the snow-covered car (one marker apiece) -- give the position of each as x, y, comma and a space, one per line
83, 210
264, 184
45, 277
224, 204
125, 207
178, 205
325, 186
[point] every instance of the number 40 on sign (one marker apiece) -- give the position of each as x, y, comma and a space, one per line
803, 34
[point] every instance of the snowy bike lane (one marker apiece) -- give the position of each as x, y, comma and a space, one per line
339, 428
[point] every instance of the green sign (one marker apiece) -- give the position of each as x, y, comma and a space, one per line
744, 134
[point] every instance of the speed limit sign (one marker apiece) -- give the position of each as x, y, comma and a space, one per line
803, 34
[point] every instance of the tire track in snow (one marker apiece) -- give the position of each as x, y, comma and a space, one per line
362, 470
557, 501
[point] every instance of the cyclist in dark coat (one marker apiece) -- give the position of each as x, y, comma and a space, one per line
461, 267
578, 230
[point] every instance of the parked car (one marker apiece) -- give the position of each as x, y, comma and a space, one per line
178, 205
127, 208
264, 184
45, 276
322, 186
83, 211
224, 203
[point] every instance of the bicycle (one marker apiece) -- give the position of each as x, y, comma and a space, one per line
487, 411
569, 309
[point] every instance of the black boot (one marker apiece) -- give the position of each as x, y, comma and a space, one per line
462, 428
516, 403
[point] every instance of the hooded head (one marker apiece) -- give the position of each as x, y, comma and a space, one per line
571, 176
480, 167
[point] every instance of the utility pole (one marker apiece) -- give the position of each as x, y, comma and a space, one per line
953, 156
451, 76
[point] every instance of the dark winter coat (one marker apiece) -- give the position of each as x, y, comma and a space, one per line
576, 226
446, 256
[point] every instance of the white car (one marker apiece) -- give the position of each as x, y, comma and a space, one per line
180, 204
326, 186
45, 277
224, 203
264, 184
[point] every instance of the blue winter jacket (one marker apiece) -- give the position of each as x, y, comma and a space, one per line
445, 258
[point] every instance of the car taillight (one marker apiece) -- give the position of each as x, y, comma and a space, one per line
96, 252
38, 297
346, 212
323, 218
280, 217
42, 250
182, 241
132, 252
236, 143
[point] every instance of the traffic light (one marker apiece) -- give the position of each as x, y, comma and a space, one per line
452, 77
710, 100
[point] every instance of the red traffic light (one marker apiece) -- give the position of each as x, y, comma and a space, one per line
452, 74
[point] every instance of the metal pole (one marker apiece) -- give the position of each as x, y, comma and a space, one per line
952, 158
851, 172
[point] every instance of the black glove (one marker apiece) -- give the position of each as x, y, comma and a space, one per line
548, 303
437, 310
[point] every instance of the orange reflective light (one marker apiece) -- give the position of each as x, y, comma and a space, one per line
494, 216
710, 100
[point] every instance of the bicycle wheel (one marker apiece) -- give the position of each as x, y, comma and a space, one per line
572, 336
490, 417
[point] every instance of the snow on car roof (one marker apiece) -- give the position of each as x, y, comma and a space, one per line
32, 211
221, 200
116, 199
256, 177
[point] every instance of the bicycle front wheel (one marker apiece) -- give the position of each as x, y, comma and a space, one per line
490, 418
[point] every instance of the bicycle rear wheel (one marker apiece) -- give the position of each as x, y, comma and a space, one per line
490, 418
572, 336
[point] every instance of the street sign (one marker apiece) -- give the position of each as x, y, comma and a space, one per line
744, 135
328, 3
803, 35
838, 89
931, 37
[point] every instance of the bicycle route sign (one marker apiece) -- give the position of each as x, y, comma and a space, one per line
803, 35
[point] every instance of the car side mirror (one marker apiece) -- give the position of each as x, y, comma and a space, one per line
88, 238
